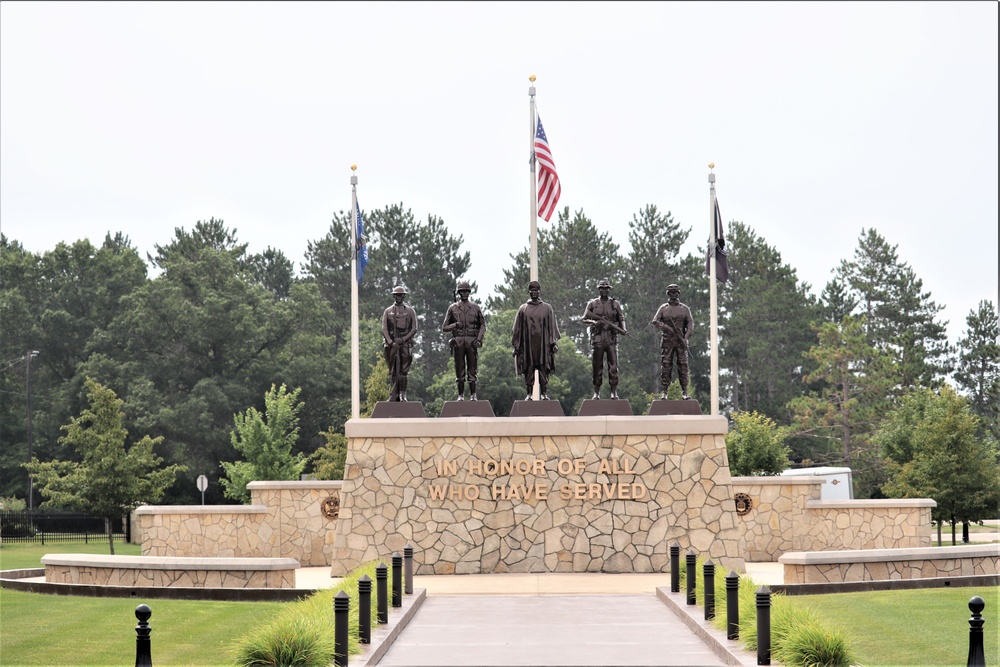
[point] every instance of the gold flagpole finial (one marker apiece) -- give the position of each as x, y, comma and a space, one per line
354, 167
711, 165
531, 78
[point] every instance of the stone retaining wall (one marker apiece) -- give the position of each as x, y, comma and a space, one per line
786, 515
823, 567
588, 494
135, 571
286, 520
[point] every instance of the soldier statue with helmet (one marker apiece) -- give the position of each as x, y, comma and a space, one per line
465, 321
605, 318
399, 326
675, 323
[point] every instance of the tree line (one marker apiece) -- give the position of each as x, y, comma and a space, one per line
204, 337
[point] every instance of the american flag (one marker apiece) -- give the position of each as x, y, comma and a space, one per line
361, 245
548, 181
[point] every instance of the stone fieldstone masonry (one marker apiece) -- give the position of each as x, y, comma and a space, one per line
892, 564
134, 571
587, 494
787, 516
285, 520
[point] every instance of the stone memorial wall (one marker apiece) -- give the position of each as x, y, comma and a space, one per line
285, 520
589, 494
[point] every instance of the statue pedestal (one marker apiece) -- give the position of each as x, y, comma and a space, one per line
467, 409
537, 409
597, 407
662, 406
407, 410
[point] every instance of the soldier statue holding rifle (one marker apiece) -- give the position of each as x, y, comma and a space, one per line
399, 326
605, 319
675, 323
465, 321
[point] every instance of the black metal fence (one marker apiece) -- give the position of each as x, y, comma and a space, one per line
48, 527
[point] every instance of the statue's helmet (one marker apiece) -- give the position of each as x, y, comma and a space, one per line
399, 289
534, 284
604, 283
464, 286
673, 287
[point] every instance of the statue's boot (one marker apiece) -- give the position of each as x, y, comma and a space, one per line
402, 389
461, 389
597, 391
472, 392
614, 392
684, 392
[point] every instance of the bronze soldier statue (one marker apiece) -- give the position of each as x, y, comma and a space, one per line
606, 321
467, 325
399, 326
534, 339
675, 323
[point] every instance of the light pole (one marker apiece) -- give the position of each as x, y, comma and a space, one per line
27, 383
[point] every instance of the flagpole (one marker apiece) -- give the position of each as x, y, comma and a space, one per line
713, 297
534, 185
535, 391
353, 224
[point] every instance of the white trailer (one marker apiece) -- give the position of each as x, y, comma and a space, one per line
839, 485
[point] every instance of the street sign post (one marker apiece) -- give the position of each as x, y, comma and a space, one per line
202, 485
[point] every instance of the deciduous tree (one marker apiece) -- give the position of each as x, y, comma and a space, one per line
266, 442
933, 450
756, 445
110, 480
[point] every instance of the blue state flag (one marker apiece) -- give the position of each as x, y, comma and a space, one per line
360, 244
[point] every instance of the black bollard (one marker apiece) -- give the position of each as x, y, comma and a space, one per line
709, 569
365, 609
691, 576
675, 568
341, 610
763, 625
397, 580
144, 658
977, 655
382, 593
408, 569
732, 605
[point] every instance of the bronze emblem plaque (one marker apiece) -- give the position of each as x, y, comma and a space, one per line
743, 503
331, 507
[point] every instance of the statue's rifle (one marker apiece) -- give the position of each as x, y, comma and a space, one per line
604, 320
669, 329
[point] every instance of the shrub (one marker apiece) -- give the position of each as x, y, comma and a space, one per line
291, 639
798, 637
809, 645
303, 634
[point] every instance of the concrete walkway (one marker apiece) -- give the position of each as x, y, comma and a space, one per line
552, 619
547, 630
595, 583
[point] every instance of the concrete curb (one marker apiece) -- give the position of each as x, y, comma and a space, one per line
384, 635
693, 616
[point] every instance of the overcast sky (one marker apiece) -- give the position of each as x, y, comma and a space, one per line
822, 119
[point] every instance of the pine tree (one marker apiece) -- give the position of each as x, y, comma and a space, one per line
765, 318
900, 318
978, 371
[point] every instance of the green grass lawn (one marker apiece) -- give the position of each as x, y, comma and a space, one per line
19, 556
914, 627
54, 630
